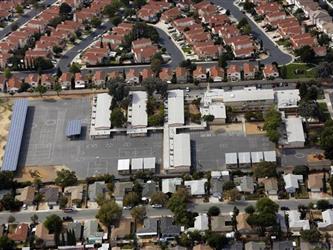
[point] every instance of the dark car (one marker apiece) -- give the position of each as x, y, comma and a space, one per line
284, 208
67, 218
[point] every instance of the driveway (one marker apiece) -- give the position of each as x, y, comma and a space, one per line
275, 54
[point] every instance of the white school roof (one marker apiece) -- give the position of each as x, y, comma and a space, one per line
182, 150
169, 185
230, 158
244, 157
103, 112
248, 94
294, 128
149, 163
124, 165
137, 164
287, 98
139, 109
270, 156
218, 110
176, 107
257, 157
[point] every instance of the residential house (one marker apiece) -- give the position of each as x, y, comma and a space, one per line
13, 84
149, 188
168, 230
181, 74
295, 223
249, 71
144, 55
147, 73
169, 186
20, 234
255, 245
233, 72
242, 226
46, 81
216, 187
166, 74
221, 224
122, 230
201, 222
99, 78
244, 184
216, 74
292, 182
132, 76
76, 228
96, 190
270, 71
75, 193
50, 195
200, 74
316, 182
327, 224
121, 189
91, 233
65, 80
43, 233
270, 184
26, 195
149, 228
196, 187
170, 15
80, 81
32, 80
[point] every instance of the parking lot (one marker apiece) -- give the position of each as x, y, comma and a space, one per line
44, 142
209, 149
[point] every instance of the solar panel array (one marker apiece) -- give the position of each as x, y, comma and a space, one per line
13, 145
73, 128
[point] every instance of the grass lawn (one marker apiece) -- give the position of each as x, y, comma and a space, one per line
295, 70
283, 42
187, 50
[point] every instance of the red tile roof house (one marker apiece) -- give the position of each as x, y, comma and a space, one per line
13, 84
215, 20
46, 81
37, 24
147, 73
183, 22
4, 56
301, 40
21, 233
115, 75
99, 78
181, 74
216, 74
233, 72
249, 71
65, 80
32, 80
151, 11
166, 74
200, 74
141, 43
170, 15
144, 55
193, 37
264, 8
94, 55
32, 55
227, 31
207, 51
275, 16
209, 10
270, 71
132, 77
80, 81
114, 40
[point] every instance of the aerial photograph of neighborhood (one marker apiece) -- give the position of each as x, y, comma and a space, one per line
166, 124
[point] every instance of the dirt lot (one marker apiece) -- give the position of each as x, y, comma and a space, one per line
234, 127
254, 128
46, 173
5, 114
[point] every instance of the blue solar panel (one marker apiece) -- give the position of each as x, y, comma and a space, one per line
13, 145
73, 128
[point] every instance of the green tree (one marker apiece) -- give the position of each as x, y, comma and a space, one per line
159, 198
57, 50
34, 219
63, 200
6, 180
208, 118
53, 223
266, 205
228, 185
138, 214
156, 63
326, 139
131, 199
66, 178
301, 170
11, 219
178, 205
7, 73
9, 202
272, 121
232, 195
306, 54
323, 204
57, 88
324, 70
217, 241
41, 89
6, 243
19, 9
74, 68
250, 209
109, 213
213, 211
307, 109
95, 22
265, 169
117, 118
311, 235
65, 9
